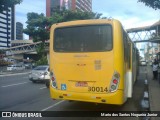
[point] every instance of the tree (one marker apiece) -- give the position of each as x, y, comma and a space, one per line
4, 4
155, 4
38, 30
38, 26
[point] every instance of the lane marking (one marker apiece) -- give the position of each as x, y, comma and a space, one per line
13, 74
15, 84
53, 105
42, 88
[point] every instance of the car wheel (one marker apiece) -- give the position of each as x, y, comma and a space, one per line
34, 81
47, 83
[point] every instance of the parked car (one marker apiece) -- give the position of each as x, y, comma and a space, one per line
15, 67
28, 66
11, 67
143, 63
40, 73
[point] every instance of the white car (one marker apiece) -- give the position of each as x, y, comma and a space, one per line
143, 63
40, 73
15, 67
11, 67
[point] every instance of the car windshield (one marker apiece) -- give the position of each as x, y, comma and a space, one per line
40, 68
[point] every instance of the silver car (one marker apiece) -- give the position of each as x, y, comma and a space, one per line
143, 63
40, 73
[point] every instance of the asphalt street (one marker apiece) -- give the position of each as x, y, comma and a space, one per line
19, 94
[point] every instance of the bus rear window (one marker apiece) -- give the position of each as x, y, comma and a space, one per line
91, 38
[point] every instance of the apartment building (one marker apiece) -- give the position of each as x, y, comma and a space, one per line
82, 5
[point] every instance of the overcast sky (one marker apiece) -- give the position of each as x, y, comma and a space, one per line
130, 12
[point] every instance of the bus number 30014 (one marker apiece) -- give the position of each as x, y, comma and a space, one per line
97, 89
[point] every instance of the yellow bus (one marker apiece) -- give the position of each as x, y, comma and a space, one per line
92, 61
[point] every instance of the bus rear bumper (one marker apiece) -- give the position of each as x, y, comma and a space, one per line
116, 98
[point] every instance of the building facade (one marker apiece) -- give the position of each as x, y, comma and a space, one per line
19, 31
7, 27
82, 5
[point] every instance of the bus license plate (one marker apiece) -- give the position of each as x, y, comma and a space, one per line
81, 84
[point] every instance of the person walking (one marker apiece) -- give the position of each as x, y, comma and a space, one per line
155, 70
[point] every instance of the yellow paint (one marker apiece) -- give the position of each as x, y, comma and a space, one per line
96, 68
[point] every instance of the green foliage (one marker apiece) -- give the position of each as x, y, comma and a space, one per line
41, 50
42, 61
38, 26
2, 52
8, 3
69, 15
155, 4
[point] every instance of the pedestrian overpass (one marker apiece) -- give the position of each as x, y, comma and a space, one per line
27, 48
145, 34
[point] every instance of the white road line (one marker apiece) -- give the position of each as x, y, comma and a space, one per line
14, 74
53, 105
42, 88
15, 84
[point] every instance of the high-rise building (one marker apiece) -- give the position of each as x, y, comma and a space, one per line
82, 5
7, 27
19, 31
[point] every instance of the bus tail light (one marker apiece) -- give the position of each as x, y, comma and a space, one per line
114, 82
53, 80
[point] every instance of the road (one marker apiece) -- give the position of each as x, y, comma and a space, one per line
19, 94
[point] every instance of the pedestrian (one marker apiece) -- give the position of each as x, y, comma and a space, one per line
155, 70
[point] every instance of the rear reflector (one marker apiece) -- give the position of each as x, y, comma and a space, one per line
98, 97
65, 95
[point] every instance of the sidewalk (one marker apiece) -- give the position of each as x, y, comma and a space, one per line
154, 92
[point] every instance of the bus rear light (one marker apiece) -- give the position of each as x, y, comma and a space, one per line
116, 75
53, 80
54, 84
113, 87
114, 82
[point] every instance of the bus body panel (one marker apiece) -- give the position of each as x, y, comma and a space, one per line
112, 98
96, 70
119, 62
79, 72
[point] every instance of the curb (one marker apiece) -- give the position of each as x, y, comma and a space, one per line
145, 103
